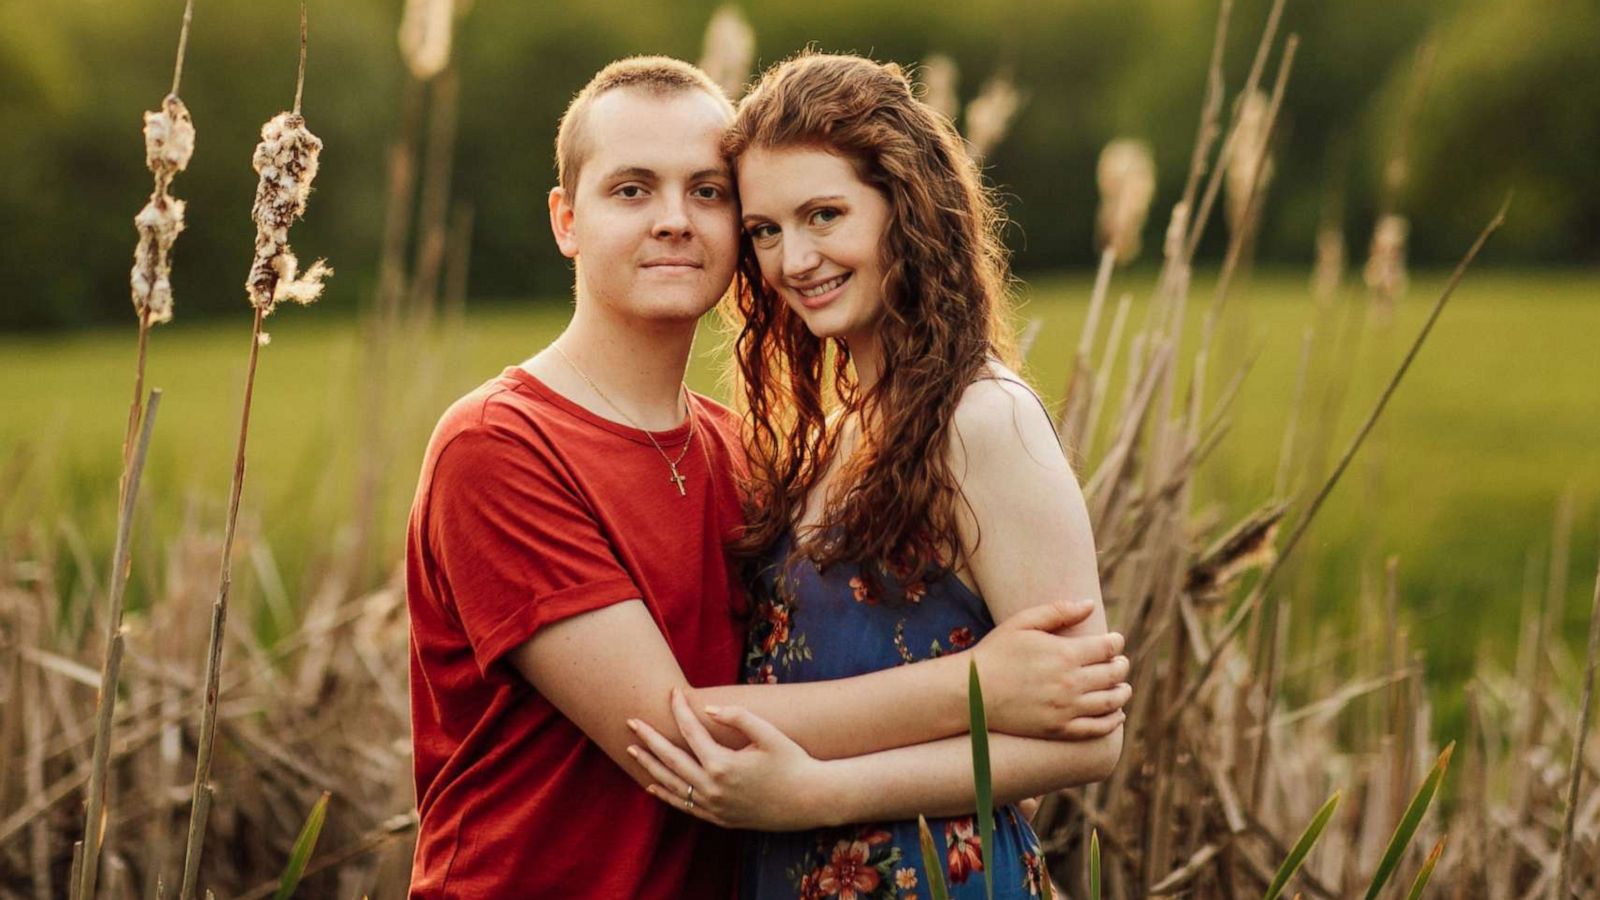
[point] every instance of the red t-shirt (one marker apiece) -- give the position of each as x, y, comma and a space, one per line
531, 509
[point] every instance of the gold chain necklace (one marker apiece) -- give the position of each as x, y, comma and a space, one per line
672, 464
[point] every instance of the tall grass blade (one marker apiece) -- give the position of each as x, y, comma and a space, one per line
980, 775
1297, 854
1426, 872
932, 861
1094, 864
303, 847
1409, 822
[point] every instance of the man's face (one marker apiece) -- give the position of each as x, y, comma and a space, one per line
651, 220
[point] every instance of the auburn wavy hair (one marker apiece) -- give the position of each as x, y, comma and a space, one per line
944, 291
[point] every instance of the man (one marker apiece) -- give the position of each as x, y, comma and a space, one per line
565, 566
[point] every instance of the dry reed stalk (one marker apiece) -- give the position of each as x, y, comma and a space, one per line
169, 145
1126, 178
728, 49
1249, 160
1231, 629
286, 161
1563, 887
1252, 80
1102, 378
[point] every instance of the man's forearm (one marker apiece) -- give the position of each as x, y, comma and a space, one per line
935, 778
855, 716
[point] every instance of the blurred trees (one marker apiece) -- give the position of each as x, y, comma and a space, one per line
1513, 102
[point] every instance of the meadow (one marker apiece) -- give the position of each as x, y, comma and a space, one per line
1497, 421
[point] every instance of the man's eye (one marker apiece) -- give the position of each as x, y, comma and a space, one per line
629, 192
708, 192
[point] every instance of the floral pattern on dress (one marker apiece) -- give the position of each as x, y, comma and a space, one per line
809, 625
964, 848
772, 638
858, 862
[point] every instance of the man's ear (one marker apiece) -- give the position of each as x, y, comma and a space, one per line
561, 215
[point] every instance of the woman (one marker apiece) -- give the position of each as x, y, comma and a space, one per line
932, 502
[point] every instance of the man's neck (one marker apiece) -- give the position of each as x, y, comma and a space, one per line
627, 372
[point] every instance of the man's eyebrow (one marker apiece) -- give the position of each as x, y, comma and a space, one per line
634, 172
719, 172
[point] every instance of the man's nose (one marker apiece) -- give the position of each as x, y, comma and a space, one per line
673, 219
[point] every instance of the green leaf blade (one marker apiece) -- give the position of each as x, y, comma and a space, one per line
1426, 872
933, 861
1297, 854
1094, 864
1420, 801
304, 845
981, 775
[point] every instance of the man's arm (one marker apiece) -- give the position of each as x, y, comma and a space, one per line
603, 667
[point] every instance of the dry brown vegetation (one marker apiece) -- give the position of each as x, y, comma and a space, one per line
1235, 737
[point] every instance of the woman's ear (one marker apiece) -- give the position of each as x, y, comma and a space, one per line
561, 218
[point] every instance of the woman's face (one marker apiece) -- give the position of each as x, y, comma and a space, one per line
818, 231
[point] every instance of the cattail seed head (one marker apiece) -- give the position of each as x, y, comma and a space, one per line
1329, 267
940, 78
168, 146
989, 115
728, 50
286, 160
1385, 272
1127, 178
1248, 155
168, 139
425, 32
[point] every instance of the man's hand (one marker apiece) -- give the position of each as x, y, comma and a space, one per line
1039, 684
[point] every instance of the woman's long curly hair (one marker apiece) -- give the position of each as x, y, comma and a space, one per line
944, 292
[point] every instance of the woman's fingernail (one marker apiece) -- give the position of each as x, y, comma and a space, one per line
713, 710
633, 724
633, 752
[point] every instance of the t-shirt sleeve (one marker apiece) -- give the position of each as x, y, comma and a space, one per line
516, 545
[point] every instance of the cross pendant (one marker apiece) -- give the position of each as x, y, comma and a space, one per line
677, 479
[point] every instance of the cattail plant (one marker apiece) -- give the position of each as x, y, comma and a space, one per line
1249, 169
286, 161
990, 114
168, 147
940, 78
1385, 272
1126, 175
426, 29
728, 50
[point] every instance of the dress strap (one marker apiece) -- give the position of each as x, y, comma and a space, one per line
1035, 395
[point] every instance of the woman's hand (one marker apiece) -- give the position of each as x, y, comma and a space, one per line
771, 784
1039, 684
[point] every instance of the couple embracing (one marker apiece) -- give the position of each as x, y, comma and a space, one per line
664, 650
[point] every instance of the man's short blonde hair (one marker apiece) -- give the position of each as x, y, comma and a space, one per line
660, 75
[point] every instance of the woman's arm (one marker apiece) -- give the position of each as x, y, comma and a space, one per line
774, 785
1026, 528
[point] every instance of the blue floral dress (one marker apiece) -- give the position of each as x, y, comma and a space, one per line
812, 626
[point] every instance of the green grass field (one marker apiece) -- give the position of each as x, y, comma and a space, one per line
1499, 416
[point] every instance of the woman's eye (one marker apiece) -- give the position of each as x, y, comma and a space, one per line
824, 216
763, 232
708, 192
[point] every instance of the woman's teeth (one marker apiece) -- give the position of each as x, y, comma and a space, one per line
824, 287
